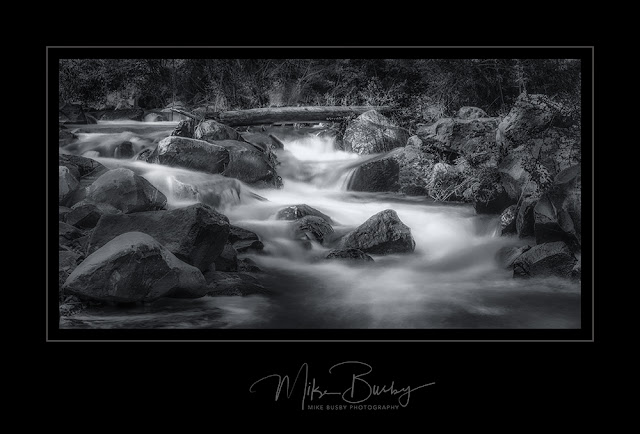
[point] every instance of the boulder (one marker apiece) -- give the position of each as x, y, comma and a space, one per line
469, 112
492, 200
530, 116
134, 267
249, 165
372, 133
349, 254
191, 154
508, 220
376, 175
243, 239
209, 130
131, 114
126, 191
548, 259
295, 212
225, 284
228, 259
85, 215
525, 218
312, 228
460, 136
124, 150
507, 255
540, 130
185, 128
382, 233
68, 185
196, 234
415, 167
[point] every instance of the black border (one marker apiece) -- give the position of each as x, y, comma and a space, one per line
586, 333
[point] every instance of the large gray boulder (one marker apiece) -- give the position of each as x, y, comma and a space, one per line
382, 233
249, 165
126, 191
191, 154
376, 175
372, 133
196, 234
134, 267
548, 259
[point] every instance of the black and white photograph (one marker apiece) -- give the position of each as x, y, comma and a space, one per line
268, 195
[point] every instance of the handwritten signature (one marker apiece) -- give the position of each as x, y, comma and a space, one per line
359, 390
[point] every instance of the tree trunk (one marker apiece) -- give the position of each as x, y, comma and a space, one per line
276, 115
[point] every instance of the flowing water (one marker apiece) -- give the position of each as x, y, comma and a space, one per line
452, 280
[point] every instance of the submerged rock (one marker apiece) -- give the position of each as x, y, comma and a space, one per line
134, 267
312, 228
349, 254
507, 256
295, 212
225, 284
382, 233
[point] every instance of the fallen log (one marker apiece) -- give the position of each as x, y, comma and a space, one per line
276, 115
